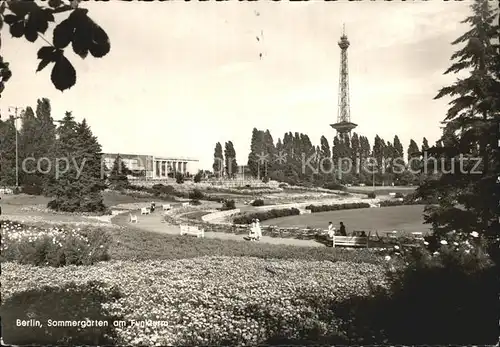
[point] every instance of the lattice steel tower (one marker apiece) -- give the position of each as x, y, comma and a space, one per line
344, 124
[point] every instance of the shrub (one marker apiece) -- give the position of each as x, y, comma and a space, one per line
213, 198
32, 189
69, 302
258, 202
195, 202
228, 205
388, 203
196, 194
91, 203
371, 195
262, 216
57, 246
159, 189
283, 185
399, 195
33, 185
350, 206
265, 179
452, 294
179, 178
197, 177
333, 186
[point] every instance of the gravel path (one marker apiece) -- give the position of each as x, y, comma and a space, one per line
153, 222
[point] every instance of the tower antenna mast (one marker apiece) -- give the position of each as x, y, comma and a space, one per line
344, 126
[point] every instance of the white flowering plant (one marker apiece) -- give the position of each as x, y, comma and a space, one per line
448, 285
205, 300
55, 245
466, 249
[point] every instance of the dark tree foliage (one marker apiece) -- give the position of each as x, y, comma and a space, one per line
77, 183
7, 152
197, 178
118, 175
295, 160
468, 194
325, 155
230, 160
31, 20
413, 156
218, 164
254, 151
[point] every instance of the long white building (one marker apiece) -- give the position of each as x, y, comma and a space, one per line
153, 167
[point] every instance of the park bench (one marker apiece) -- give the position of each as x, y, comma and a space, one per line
133, 218
350, 241
185, 204
145, 210
418, 236
166, 207
393, 235
192, 230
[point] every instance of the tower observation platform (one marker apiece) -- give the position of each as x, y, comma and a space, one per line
343, 126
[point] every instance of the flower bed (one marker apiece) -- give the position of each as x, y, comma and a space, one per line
83, 222
313, 189
208, 300
53, 246
45, 209
337, 207
245, 191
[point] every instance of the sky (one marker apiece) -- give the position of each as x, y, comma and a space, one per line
182, 76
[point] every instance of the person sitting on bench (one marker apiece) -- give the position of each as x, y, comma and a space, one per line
342, 231
331, 230
363, 234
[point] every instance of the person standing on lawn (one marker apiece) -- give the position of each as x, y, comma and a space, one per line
252, 233
258, 230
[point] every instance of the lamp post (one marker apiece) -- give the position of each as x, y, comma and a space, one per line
373, 178
15, 110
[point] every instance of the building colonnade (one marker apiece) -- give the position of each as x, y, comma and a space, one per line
163, 167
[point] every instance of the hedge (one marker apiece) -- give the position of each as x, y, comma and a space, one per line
262, 216
350, 206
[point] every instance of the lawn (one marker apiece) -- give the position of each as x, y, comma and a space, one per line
11, 204
113, 198
196, 215
136, 244
406, 219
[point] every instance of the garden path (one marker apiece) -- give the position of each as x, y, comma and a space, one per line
153, 222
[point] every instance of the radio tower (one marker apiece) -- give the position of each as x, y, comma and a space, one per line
344, 124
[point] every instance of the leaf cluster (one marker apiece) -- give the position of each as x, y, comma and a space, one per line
29, 20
